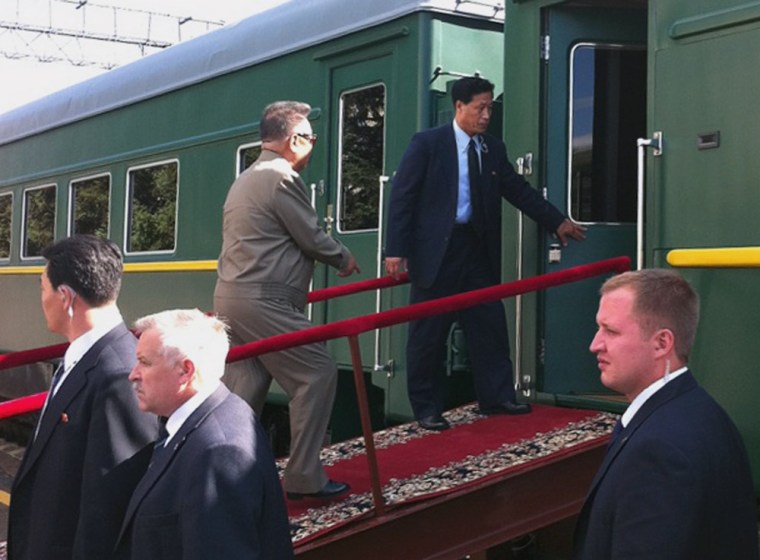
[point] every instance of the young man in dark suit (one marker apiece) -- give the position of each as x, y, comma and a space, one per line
212, 489
82, 462
444, 224
676, 481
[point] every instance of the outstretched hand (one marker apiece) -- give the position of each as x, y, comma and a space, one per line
569, 228
351, 267
394, 266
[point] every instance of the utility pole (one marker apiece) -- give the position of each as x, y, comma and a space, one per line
84, 33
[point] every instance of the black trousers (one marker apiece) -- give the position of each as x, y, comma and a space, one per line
465, 268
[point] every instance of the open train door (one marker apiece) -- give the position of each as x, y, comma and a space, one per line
592, 108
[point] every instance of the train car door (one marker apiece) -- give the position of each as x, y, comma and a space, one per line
703, 189
354, 194
594, 84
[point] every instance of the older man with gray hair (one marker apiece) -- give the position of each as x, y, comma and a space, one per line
212, 489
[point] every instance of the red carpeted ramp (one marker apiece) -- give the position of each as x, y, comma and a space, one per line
417, 465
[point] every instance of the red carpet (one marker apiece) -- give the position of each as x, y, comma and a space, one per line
416, 464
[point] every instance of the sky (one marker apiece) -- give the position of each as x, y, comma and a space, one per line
26, 79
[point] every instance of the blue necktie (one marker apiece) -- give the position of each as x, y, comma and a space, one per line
616, 433
57, 376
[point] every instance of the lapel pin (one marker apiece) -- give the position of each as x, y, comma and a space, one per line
64, 418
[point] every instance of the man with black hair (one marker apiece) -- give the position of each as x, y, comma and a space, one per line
444, 224
82, 461
271, 239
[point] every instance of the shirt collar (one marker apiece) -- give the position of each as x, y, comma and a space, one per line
81, 345
644, 396
463, 139
180, 416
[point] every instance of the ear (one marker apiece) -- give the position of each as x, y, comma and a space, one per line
664, 342
187, 370
65, 293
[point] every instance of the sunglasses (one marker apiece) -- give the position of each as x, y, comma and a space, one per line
310, 137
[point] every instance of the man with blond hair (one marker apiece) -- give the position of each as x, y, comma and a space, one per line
676, 481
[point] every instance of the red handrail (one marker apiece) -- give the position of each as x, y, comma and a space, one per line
351, 328
358, 325
44, 353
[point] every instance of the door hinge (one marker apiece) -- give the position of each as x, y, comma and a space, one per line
545, 47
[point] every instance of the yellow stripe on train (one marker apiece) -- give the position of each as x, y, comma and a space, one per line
726, 257
163, 266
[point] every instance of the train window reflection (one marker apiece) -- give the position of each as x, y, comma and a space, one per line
90, 201
247, 155
608, 114
39, 220
152, 208
6, 212
362, 151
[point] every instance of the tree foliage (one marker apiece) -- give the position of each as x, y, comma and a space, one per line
153, 208
363, 136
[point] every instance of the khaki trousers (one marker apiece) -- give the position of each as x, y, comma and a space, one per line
307, 374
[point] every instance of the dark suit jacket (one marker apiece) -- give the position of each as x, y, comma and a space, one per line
213, 493
76, 477
424, 202
676, 484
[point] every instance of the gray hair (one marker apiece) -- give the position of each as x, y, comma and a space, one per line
193, 335
280, 118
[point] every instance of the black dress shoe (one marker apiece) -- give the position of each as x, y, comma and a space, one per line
507, 408
329, 490
435, 423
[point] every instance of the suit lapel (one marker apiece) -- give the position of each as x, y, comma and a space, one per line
683, 383
158, 468
72, 386
449, 171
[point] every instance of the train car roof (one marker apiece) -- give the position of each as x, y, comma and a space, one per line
286, 28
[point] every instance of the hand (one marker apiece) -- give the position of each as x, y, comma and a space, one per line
394, 266
351, 267
569, 228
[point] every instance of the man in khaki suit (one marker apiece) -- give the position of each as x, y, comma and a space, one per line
271, 237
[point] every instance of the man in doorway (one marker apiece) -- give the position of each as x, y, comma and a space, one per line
271, 238
444, 224
676, 480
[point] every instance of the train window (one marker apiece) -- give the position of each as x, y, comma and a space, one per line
360, 166
247, 155
90, 201
608, 114
39, 220
152, 208
6, 211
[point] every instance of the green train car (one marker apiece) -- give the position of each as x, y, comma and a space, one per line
635, 117
145, 155
640, 120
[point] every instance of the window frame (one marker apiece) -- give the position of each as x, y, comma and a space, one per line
128, 207
10, 227
24, 221
70, 209
339, 168
238, 155
570, 121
